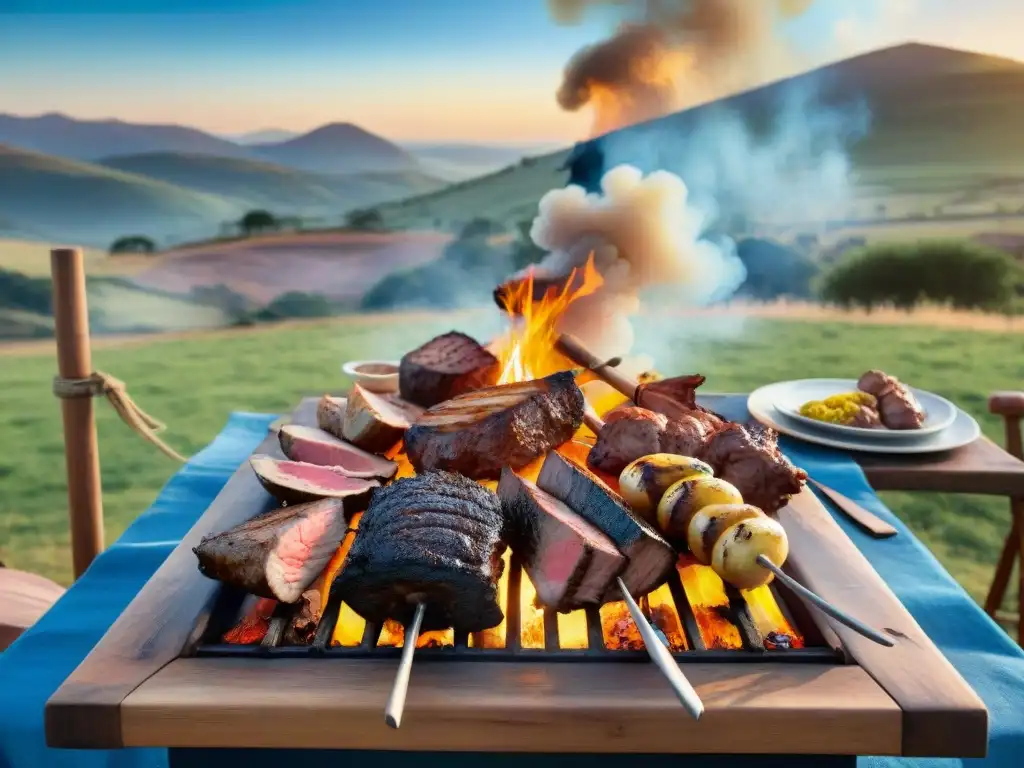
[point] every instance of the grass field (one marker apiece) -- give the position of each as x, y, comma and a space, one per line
193, 383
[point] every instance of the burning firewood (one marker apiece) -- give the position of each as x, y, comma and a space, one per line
478, 433
277, 555
376, 422
445, 367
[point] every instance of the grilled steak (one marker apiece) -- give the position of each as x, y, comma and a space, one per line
897, 406
478, 433
445, 367
650, 557
570, 562
630, 432
376, 422
315, 446
435, 538
330, 415
277, 555
749, 458
293, 482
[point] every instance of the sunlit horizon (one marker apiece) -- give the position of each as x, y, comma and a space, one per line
455, 72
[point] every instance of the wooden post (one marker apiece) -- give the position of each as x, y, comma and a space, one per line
74, 361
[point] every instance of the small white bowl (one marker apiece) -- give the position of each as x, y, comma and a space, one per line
379, 376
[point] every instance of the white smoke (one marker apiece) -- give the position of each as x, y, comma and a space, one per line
643, 234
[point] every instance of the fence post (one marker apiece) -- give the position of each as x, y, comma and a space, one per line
74, 361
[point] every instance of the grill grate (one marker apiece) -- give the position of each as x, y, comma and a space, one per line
229, 606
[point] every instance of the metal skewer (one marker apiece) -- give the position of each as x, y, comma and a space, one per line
663, 659
824, 606
396, 701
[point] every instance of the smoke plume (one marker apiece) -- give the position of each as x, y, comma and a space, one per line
672, 54
643, 233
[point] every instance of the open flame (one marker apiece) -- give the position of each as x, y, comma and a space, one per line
526, 352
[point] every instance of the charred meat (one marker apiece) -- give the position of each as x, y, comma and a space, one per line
897, 406
631, 432
749, 458
650, 558
437, 539
478, 433
445, 367
375, 422
570, 562
277, 555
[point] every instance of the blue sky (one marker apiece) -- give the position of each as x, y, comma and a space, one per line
409, 69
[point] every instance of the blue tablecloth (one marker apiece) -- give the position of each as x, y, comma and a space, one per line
40, 660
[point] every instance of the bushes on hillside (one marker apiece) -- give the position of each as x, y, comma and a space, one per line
961, 273
29, 294
365, 220
132, 244
774, 271
297, 305
256, 222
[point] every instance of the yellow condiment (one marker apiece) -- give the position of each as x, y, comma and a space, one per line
837, 409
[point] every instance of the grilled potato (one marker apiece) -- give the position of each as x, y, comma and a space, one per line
709, 523
643, 482
734, 555
685, 497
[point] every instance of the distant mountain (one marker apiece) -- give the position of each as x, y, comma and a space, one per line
90, 204
265, 136
463, 160
62, 136
931, 112
338, 148
255, 183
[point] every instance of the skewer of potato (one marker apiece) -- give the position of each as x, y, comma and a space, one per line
744, 546
706, 514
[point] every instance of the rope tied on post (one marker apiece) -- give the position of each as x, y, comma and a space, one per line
100, 384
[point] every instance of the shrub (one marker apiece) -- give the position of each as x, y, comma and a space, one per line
29, 294
774, 271
366, 219
133, 244
961, 273
296, 304
257, 221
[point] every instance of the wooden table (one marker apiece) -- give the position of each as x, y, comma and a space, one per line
982, 467
137, 689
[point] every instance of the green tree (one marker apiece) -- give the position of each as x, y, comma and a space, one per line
133, 244
255, 222
960, 272
365, 220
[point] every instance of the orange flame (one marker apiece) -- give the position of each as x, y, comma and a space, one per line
527, 351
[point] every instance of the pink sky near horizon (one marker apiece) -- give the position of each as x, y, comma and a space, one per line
484, 73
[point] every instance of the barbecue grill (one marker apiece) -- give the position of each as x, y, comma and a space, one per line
774, 678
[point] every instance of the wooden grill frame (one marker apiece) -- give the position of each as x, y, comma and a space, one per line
135, 689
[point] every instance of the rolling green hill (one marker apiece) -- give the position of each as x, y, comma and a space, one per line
255, 183
90, 204
925, 128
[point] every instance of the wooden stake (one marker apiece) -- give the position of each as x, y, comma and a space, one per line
74, 361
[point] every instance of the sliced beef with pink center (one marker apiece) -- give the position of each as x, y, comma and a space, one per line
315, 446
570, 562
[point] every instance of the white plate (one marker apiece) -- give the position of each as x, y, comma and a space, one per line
963, 431
791, 395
